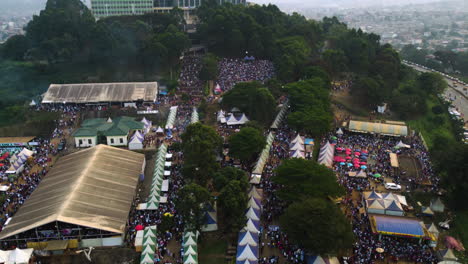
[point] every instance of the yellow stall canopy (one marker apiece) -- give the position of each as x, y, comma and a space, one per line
378, 128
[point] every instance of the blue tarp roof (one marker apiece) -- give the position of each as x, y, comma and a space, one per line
394, 207
373, 195
398, 225
209, 220
309, 141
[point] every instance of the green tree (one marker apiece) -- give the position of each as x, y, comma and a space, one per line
15, 47
246, 144
233, 202
335, 61
321, 220
312, 120
304, 178
253, 99
191, 204
310, 105
227, 174
433, 83
200, 145
295, 54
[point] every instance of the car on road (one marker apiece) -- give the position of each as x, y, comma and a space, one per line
392, 186
61, 145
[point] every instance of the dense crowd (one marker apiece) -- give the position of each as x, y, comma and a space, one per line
378, 148
155, 217
233, 71
189, 82
29, 178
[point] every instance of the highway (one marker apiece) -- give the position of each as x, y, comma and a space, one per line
457, 92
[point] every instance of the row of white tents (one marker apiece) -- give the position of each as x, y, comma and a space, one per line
326, 154
280, 116
195, 117
190, 249
231, 119
248, 241
171, 118
18, 161
258, 170
150, 245
296, 148
159, 184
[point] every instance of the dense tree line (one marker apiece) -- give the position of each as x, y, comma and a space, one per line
66, 31
441, 60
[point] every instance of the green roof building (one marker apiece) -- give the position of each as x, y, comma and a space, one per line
113, 132
105, 8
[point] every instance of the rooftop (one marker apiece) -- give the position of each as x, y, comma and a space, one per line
119, 126
101, 92
93, 188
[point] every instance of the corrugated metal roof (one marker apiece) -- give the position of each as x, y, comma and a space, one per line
378, 128
101, 92
93, 187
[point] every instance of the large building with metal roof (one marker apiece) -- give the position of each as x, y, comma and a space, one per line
386, 129
87, 194
92, 93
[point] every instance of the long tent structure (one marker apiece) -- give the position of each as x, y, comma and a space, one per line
397, 226
378, 128
258, 169
171, 117
280, 116
326, 154
92, 188
84, 93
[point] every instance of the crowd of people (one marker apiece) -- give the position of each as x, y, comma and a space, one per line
233, 71
189, 81
26, 181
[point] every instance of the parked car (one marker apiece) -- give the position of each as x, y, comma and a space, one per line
61, 145
392, 186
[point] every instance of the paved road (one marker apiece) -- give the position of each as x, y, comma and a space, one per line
456, 92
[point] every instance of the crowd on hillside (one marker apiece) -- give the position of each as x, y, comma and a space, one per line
189, 82
233, 71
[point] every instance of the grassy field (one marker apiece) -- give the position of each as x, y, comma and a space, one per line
212, 251
431, 125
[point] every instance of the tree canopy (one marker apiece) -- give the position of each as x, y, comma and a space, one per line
246, 144
200, 145
233, 202
318, 226
222, 177
253, 99
191, 203
302, 178
310, 106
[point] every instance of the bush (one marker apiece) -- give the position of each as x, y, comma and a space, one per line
437, 109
